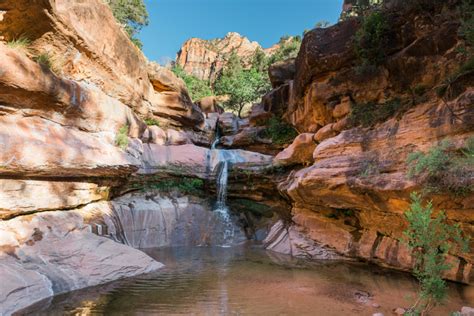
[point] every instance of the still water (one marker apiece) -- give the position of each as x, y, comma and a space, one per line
248, 281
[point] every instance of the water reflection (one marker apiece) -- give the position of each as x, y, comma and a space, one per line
246, 281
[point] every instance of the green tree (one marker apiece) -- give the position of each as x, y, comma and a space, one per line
242, 86
197, 88
260, 60
132, 15
430, 239
371, 40
322, 24
289, 48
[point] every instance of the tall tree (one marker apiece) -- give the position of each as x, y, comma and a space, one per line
242, 87
132, 15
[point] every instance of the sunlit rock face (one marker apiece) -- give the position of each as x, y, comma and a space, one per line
205, 59
72, 34
350, 194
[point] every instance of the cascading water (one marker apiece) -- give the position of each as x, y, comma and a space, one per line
224, 158
221, 207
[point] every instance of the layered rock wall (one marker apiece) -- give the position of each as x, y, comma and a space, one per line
205, 59
351, 198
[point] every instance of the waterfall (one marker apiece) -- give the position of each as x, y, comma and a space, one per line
221, 207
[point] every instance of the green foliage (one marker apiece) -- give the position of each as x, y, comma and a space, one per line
430, 238
243, 86
289, 48
152, 122
433, 162
467, 22
197, 88
448, 88
279, 132
369, 168
185, 185
121, 139
260, 61
340, 213
49, 62
369, 114
132, 15
322, 24
21, 43
444, 170
360, 8
257, 209
371, 40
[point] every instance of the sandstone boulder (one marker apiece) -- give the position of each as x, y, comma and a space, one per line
52, 252
282, 72
210, 104
155, 135
299, 152
73, 33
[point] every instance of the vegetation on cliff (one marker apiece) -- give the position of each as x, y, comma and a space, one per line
371, 40
121, 139
243, 86
132, 15
430, 239
197, 88
444, 170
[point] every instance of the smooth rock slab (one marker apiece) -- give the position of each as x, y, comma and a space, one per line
32, 146
150, 220
23, 196
54, 252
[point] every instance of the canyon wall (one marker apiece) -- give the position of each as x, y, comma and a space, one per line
350, 186
99, 154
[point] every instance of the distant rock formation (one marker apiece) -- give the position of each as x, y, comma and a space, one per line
205, 59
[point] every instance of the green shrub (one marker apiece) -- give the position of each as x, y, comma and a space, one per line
152, 122
322, 24
340, 213
430, 238
258, 209
121, 139
197, 88
443, 170
44, 59
279, 132
371, 113
185, 185
289, 48
467, 22
371, 40
369, 168
21, 43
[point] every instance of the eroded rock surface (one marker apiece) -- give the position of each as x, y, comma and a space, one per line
40, 258
352, 197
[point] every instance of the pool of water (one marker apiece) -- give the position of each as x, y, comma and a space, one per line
248, 281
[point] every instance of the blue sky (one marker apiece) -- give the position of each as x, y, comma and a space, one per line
172, 22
